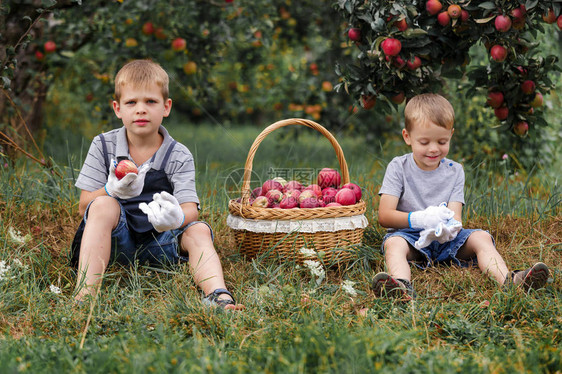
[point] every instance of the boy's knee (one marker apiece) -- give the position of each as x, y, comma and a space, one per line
395, 243
481, 237
104, 207
198, 231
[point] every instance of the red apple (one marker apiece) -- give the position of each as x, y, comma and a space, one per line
498, 53
329, 178
501, 112
179, 44
433, 6
528, 87
443, 19
159, 33
517, 13
305, 194
549, 17
314, 188
495, 99
292, 193
39, 55
414, 64
148, 28
309, 202
354, 34
502, 23
50, 46
346, 196
274, 197
293, 185
289, 202
454, 11
256, 192
125, 167
398, 98
260, 201
391, 46
355, 188
270, 184
280, 180
401, 25
521, 128
465, 15
368, 101
537, 100
559, 22
329, 194
333, 204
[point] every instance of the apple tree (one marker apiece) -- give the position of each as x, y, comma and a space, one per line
403, 48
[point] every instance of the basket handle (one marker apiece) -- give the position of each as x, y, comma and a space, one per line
286, 122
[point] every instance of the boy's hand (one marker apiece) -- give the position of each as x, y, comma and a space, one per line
129, 186
430, 217
442, 233
164, 212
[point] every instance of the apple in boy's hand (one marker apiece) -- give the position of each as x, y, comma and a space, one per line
355, 188
346, 196
125, 167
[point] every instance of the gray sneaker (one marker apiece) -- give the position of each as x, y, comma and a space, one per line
534, 277
385, 285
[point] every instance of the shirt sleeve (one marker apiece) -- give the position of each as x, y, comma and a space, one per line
94, 172
393, 181
181, 173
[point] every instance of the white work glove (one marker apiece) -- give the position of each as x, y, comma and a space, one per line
444, 232
430, 217
164, 212
129, 186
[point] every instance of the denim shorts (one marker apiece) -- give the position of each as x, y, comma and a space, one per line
126, 247
435, 252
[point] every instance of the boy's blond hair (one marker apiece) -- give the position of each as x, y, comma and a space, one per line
141, 73
429, 108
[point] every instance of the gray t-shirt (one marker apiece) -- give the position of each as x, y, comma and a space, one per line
417, 189
180, 168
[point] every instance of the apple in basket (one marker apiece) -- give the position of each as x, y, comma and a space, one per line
261, 202
289, 202
329, 194
332, 204
281, 180
305, 194
274, 197
256, 192
355, 188
315, 188
293, 185
329, 178
309, 202
346, 196
271, 184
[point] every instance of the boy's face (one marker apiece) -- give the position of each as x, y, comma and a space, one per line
142, 109
430, 144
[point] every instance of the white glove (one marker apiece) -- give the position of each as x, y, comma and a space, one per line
430, 217
444, 232
164, 212
129, 186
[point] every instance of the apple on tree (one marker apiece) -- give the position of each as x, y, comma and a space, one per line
502, 23
495, 99
125, 167
391, 46
49, 46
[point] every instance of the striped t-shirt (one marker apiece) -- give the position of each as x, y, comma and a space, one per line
180, 168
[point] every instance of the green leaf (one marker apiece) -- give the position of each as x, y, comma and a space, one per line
487, 5
48, 3
530, 4
6, 82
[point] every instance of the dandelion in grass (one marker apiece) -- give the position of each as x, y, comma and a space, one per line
347, 286
307, 252
17, 237
316, 269
4, 268
54, 289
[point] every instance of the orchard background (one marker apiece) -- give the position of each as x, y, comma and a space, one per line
234, 62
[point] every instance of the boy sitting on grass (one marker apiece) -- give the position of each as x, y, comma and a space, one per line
421, 202
150, 216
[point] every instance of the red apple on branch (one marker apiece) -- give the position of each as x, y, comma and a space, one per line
354, 34
368, 101
495, 99
391, 46
414, 64
521, 128
179, 44
502, 23
433, 6
50, 46
498, 53
537, 100
549, 17
443, 19
528, 87
148, 28
454, 11
125, 167
501, 112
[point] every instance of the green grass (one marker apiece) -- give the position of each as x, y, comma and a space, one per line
152, 320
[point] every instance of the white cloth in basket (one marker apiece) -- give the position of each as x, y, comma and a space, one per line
308, 225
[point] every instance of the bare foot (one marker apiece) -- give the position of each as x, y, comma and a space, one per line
235, 307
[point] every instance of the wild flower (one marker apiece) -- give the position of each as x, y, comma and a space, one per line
17, 237
316, 269
307, 252
347, 286
4, 268
54, 289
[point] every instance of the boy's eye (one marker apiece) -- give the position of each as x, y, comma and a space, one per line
130, 102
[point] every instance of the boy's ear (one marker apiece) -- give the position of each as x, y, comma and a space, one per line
117, 108
406, 137
167, 107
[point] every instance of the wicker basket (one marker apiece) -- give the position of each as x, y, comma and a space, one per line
331, 246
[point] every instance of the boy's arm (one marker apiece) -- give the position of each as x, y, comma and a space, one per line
86, 197
389, 216
190, 212
456, 207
